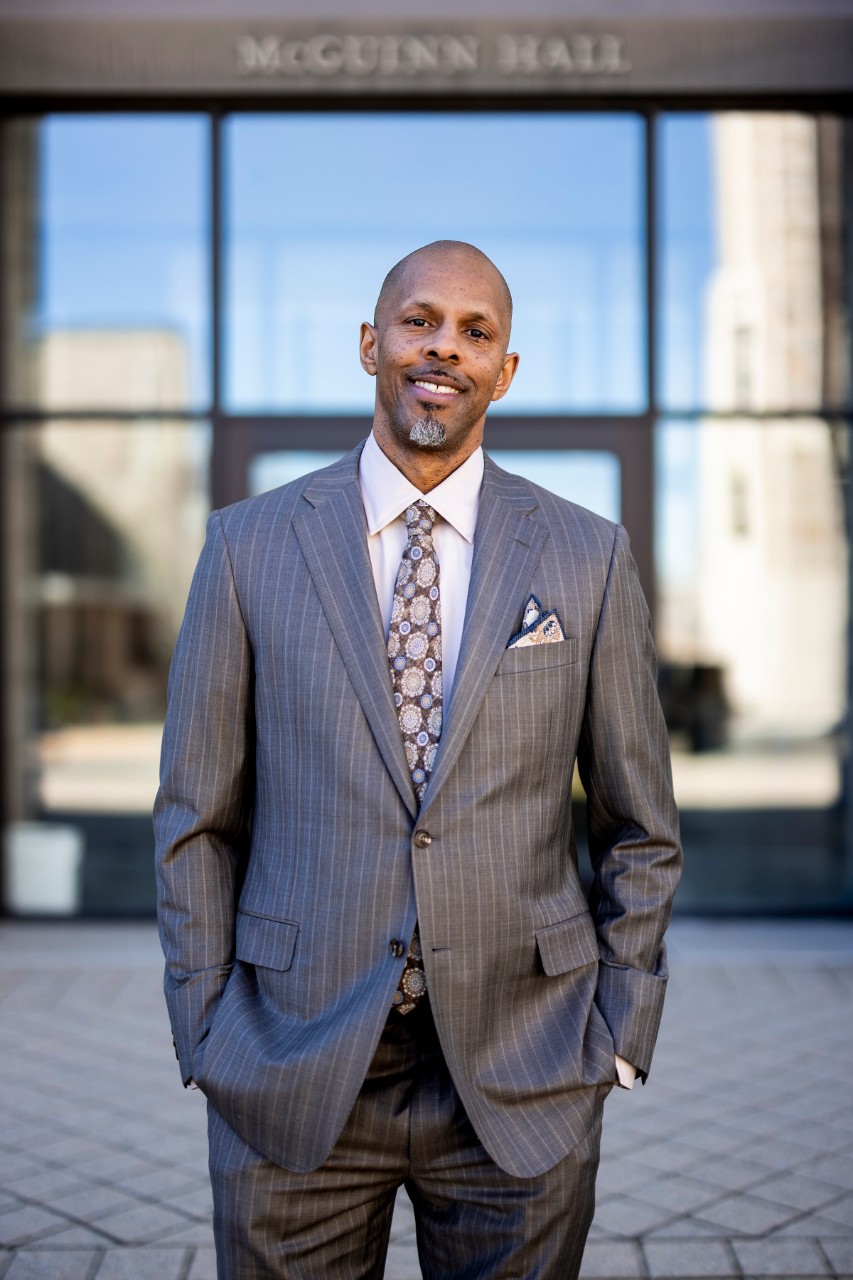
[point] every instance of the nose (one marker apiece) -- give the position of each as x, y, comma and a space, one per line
442, 345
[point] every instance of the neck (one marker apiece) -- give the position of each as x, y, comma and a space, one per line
425, 468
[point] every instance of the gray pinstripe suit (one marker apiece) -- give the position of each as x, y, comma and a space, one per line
287, 828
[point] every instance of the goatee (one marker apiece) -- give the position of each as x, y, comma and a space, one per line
428, 433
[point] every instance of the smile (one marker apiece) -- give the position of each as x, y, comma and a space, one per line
437, 388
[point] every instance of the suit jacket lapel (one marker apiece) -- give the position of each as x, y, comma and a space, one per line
507, 547
333, 539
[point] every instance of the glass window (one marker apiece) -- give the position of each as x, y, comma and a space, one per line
753, 640
753, 315
280, 466
591, 478
104, 523
106, 250
318, 208
588, 477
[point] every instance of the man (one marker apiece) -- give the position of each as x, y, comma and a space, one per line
381, 967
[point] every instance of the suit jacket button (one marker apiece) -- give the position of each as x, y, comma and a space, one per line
397, 948
423, 839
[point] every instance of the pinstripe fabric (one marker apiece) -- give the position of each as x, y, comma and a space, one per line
286, 819
409, 1128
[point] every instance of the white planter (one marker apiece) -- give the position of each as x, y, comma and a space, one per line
42, 869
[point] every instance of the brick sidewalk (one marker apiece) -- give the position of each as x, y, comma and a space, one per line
735, 1161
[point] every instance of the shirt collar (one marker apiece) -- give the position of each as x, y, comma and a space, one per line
386, 492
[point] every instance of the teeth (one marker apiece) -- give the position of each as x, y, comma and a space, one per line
437, 387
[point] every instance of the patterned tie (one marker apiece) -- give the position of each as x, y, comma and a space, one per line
414, 652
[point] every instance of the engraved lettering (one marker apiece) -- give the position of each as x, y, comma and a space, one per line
292, 58
420, 53
578, 55
583, 49
361, 55
554, 55
323, 55
326, 55
461, 53
389, 56
258, 57
613, 61
517, 55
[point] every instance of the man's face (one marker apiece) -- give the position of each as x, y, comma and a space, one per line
438, 352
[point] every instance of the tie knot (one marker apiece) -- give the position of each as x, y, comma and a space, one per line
420, 517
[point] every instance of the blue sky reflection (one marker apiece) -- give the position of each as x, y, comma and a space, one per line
318, 207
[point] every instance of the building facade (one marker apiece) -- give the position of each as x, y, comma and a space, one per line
198, 203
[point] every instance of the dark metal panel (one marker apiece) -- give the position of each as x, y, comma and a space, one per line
839, 102
380, 10
651, 233
217, 249
6, 808
267, 57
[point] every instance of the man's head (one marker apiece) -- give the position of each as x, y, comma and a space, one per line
458, 248
438, 350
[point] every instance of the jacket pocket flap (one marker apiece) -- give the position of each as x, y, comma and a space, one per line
264, 941
567, 945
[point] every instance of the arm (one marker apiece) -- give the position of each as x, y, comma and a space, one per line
203, 807
634, 845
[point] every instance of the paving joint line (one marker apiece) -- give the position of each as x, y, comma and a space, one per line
146, 1201
97, 1263
89, 1225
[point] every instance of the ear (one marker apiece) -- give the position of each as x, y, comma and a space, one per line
506, 375
367, 348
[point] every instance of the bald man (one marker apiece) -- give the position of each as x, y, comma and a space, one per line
381, 967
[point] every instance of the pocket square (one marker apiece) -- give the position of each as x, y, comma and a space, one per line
538, 626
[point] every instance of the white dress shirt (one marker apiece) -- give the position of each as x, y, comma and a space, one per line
386, 493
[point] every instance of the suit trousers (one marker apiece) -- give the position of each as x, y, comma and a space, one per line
407, 1128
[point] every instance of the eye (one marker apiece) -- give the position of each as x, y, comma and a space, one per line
418, 320
477, 333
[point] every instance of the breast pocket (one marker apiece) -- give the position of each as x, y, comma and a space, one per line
538, 657
531, 705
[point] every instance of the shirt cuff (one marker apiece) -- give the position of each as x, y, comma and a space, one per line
625, 1073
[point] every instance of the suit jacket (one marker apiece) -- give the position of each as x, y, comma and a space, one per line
291, 854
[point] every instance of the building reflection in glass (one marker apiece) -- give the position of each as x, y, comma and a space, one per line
105, 257
108, 386
752, 551
108, 521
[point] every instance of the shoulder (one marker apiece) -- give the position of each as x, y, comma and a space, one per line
266, 512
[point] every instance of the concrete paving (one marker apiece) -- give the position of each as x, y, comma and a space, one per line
736, 1160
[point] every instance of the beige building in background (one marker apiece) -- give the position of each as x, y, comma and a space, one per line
102, 631
769, 602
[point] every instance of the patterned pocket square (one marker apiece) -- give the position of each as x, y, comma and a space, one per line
537, 626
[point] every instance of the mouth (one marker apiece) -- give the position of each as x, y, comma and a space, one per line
437, 389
